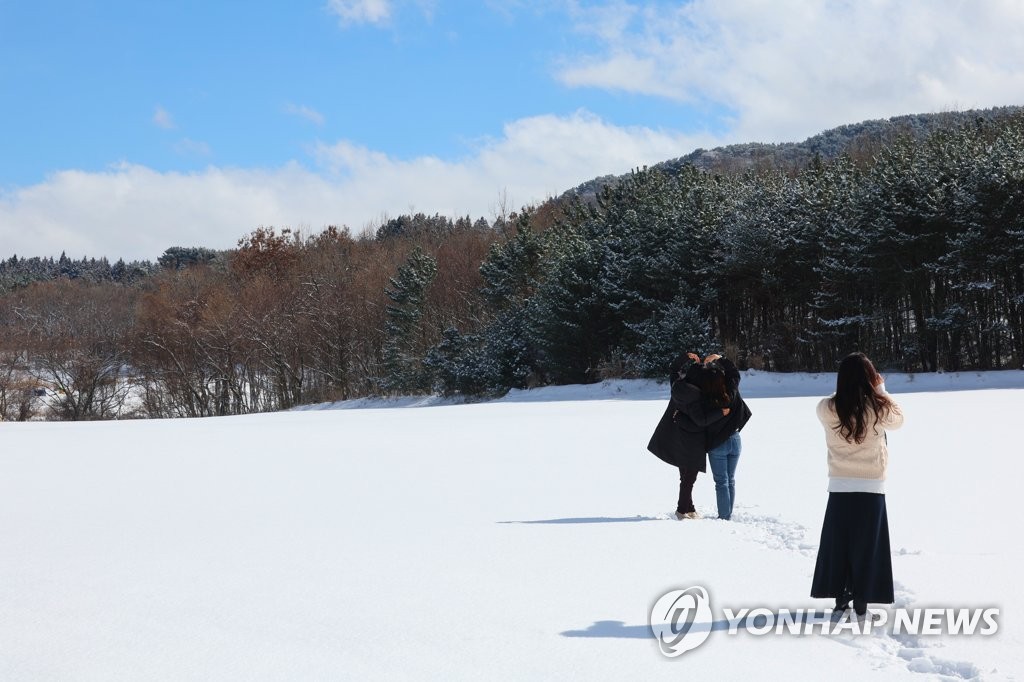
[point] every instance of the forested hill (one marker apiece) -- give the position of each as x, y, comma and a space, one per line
18, 272
858, 140
906, 243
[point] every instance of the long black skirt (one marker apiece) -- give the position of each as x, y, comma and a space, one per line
854, 560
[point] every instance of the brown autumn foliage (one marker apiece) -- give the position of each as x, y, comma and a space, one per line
293, 319
288, 319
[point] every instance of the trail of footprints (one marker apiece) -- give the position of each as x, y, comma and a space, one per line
918, 654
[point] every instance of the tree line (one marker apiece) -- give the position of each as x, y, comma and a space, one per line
913, 253
284, 319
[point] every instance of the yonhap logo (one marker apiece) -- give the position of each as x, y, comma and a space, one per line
673, 617
681, 620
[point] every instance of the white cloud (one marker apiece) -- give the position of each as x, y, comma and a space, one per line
791, 68
304, 112
135, 212
163, 119
360, 11
189, 147
536, 158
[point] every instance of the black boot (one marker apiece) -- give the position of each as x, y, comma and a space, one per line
843, 601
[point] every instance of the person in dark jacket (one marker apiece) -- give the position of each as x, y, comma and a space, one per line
680, 439
720, 388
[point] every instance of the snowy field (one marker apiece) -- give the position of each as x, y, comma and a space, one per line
519, 539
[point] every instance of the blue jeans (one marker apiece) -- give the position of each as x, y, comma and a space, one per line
723, 461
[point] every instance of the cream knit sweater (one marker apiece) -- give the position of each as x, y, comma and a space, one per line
858, 467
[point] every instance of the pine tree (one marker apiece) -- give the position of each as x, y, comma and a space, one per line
674, 329
404, 346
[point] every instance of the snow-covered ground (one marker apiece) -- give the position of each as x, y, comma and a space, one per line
525, 538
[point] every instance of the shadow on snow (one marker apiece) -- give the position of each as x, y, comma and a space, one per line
616, 629
594, 519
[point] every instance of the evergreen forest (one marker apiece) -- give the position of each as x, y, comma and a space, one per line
906, 243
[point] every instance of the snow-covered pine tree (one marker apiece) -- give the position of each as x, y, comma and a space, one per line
569, 319
675, 328
404, 346
654, 261
984, 258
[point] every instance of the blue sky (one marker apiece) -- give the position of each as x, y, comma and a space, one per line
255, 84
128, 127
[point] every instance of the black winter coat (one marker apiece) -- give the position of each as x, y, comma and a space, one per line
681, 439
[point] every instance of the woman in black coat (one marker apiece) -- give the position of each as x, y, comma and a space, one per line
680, 438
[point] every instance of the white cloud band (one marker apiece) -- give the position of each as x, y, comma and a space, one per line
791, 68
136, 212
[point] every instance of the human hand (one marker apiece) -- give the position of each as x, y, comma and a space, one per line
693, 356
712, 358
726, 411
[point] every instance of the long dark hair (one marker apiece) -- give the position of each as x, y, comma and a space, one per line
855, 394
712, 386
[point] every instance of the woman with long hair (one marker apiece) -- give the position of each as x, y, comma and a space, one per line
702, 421
854, 561
720, 389
680, 439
